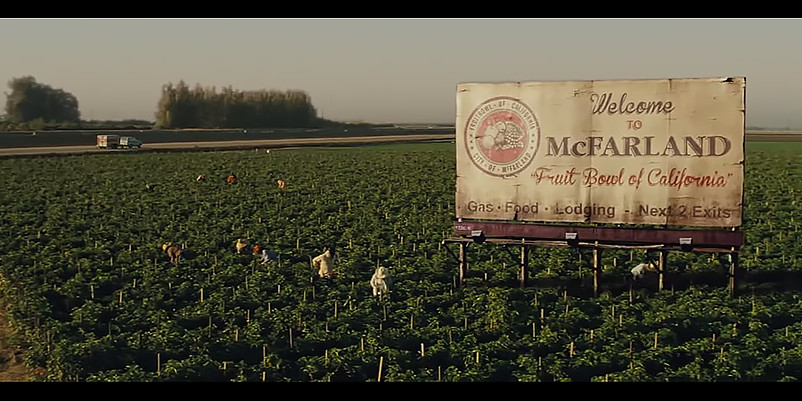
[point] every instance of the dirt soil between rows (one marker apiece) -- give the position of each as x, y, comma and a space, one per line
12, 365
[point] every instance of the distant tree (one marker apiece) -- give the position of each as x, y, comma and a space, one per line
199, 107
30, 100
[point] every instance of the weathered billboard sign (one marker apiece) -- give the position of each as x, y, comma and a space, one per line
655, 152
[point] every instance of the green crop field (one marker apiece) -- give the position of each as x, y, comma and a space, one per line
93, 297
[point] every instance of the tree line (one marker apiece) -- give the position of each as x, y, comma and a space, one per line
199, 107
34, 105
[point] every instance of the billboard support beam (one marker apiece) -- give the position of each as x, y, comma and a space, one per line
687, 239
461, 259
524, 257
596, 270
463, 263
733, 270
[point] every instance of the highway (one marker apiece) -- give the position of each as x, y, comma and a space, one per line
228, 145
758, 136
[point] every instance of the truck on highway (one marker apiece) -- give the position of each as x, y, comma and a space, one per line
117, 141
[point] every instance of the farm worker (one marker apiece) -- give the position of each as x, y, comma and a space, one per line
380, 281
325, 262
241, 244
172, 251
641, 269
268, 256
281, 184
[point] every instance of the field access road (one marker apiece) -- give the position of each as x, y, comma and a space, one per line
231, 145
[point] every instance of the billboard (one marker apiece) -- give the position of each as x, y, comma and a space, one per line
655, 152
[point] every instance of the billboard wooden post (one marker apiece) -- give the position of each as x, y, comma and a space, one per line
596, 270
661, 269
733, 271
463, 264
524, 257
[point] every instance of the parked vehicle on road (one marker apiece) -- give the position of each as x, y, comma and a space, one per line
117, 141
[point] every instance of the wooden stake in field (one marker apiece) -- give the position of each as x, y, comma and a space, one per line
381, 362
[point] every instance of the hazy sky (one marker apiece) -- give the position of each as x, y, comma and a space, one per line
394, 70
